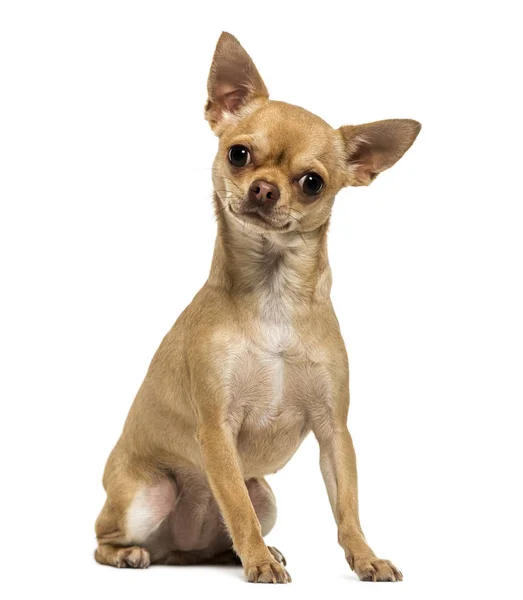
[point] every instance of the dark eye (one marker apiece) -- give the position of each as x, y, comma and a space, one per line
239, 156
311, 184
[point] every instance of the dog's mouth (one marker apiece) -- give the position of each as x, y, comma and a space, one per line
256, 217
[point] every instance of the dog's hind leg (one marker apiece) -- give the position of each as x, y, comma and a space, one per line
135, 508
199, 536
264, 503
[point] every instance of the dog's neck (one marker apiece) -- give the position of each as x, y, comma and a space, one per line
287, 268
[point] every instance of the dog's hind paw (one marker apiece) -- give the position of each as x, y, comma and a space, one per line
277, 555
134, 557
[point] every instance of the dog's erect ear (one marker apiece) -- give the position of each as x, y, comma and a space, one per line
373, 147
233, 82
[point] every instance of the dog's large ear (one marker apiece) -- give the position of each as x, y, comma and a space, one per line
375, 147
233, 82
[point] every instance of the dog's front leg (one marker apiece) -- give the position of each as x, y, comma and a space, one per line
338, 466
225, 477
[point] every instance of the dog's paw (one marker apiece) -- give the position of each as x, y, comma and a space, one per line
277, 555
271, 572
134, 557
375, 569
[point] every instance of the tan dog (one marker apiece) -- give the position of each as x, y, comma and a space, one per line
257, 359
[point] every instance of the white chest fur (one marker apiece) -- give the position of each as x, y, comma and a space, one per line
258, 374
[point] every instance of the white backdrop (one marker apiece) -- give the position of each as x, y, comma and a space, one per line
106, 233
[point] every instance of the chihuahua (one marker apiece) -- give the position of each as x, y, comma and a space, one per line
257, 360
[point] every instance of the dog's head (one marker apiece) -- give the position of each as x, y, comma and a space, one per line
278, 166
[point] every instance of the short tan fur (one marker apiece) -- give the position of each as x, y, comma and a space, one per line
257, 360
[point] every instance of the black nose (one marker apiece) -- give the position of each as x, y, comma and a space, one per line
263, 194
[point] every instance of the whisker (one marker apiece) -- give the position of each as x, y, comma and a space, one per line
300, 233
303, 238
217, 212
296, 210
228, 178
